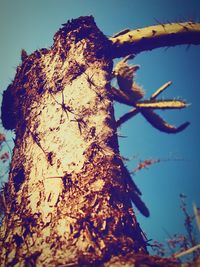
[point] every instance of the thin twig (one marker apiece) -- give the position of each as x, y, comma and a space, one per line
160, 90
188, 251
127, 116
197, 215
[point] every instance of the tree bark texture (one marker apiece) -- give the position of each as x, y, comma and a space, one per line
66, 202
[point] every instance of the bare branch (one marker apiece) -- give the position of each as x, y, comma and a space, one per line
127, 116
146, 109
160, 90
148, 38
185, 252
124, 98
121, 97
135, 194
162, 104
197, 215
157, 122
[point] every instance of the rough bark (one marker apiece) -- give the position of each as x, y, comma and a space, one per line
66, 202
148, 38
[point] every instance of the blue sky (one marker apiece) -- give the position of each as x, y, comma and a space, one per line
32, 24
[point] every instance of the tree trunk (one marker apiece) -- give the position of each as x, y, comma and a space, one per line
67, 201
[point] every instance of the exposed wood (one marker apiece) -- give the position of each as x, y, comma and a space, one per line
67, 202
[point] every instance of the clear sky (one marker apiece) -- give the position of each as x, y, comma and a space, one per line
31, 25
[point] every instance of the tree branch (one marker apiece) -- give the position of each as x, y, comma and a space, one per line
161, 104
160, 90
146, 108
121, 97
188, 251
127, 116
148, 38
157, 122
154, 119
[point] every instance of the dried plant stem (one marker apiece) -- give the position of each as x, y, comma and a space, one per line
188, 251
197, 215
160, 90
162, 104
127, 116
146, 108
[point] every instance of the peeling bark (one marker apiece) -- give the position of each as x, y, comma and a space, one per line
67, 201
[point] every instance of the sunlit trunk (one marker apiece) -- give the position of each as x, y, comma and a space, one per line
66, 202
